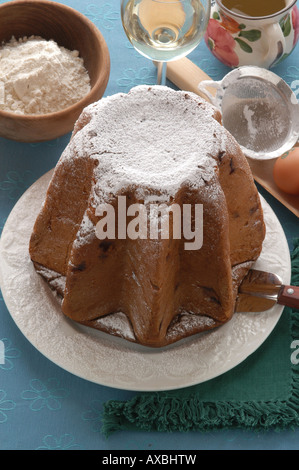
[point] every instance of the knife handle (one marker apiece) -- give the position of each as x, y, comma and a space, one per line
289, 296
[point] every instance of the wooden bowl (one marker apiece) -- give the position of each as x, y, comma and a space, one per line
68, 28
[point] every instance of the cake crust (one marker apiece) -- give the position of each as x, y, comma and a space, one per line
153, 143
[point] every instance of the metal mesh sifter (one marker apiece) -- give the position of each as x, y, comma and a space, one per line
259, 109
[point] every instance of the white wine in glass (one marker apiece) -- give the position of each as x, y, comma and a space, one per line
165, 30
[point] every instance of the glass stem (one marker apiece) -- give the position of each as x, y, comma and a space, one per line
161, 76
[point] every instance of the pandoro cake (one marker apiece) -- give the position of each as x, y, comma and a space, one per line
151, 145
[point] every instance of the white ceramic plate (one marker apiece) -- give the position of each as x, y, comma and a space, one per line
111, 361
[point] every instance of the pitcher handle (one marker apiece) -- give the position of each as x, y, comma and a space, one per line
275, 37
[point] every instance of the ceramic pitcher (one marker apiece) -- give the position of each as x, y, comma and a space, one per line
236, 39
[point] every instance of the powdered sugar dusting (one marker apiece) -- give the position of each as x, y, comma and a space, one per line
86, 232
116, 323
186, 322
55, 280
151, 138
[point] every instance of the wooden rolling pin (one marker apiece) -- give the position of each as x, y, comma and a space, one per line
186, 76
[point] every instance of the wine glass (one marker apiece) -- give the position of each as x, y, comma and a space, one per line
165, 30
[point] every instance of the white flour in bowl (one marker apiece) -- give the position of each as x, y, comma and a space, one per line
39, 77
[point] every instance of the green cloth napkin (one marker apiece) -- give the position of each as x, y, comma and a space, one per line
262, 393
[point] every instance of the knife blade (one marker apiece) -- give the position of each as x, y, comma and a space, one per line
261, 290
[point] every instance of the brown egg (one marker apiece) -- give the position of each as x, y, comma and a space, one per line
286, 172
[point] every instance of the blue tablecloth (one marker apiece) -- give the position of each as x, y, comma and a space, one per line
42, 406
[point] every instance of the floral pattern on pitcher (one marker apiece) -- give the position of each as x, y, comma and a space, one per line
221, 43
229, 40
